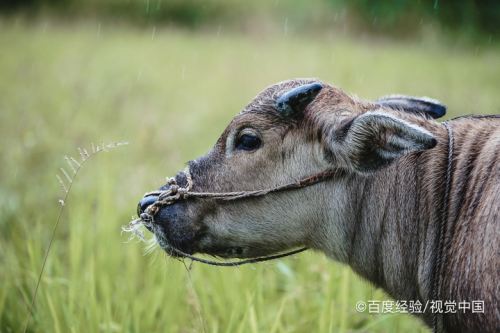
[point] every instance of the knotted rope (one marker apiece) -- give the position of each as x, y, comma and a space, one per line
437, 269
175, 193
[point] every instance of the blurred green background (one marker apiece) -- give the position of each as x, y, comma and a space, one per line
167, 76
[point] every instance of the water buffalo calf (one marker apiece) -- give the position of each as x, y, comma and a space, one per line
381, 213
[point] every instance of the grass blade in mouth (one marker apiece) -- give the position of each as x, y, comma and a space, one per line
135, 228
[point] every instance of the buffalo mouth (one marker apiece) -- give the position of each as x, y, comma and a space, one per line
199, 244
166, 246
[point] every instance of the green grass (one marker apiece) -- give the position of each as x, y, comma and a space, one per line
170, 94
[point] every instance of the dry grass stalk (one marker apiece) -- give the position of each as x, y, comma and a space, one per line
66, 179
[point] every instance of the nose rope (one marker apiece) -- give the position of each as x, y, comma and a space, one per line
175, 193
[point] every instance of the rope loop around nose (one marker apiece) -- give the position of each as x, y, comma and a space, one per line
175, 192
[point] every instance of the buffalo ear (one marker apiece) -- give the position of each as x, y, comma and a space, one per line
375, 139
425, 105
293, 102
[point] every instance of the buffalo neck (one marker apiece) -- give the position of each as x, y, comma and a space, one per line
390, 220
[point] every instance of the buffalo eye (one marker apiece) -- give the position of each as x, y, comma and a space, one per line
247, 141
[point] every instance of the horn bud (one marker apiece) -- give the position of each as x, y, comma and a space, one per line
294, 102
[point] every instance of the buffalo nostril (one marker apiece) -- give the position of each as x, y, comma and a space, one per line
145, 203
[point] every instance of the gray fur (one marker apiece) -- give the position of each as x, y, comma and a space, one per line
379, 216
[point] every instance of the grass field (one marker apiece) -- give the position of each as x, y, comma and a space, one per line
169, 94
